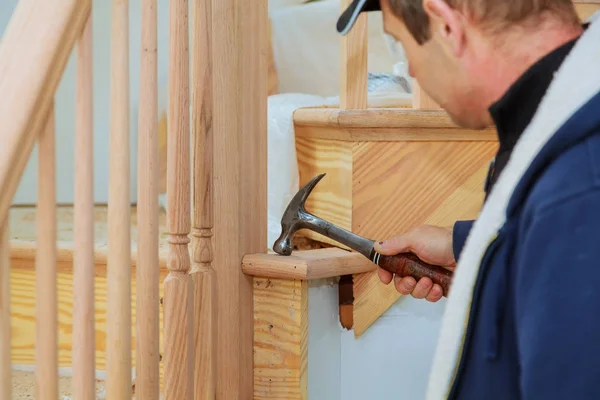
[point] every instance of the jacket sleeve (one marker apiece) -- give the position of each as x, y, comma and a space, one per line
460, 231
557, 301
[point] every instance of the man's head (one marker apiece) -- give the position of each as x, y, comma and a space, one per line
466, 53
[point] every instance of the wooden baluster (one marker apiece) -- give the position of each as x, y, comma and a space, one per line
178, 292
202, 272
118, 328
84, 345
421, 100
239, 134
46, 343
5, 331
354, 64
147, 271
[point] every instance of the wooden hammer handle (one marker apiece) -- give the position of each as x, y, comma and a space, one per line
408, 264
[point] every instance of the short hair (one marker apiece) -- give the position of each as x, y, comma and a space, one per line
494, 15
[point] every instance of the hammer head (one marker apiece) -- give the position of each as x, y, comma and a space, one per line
292, 219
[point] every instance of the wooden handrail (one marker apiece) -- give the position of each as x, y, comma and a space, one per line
33, 54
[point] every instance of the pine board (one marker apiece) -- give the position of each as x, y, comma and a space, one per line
389, 170
23, 250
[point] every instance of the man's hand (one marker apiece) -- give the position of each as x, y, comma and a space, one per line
431, 244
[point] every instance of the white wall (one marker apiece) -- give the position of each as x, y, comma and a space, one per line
65, 103
392, 359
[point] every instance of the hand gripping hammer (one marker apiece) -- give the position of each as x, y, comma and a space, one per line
296, 218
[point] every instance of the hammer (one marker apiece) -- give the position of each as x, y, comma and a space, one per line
296, 218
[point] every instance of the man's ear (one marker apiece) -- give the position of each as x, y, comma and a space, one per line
446, 23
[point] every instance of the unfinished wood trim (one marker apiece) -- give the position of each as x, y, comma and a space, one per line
82, 260
374, 118
383, 124
354, 63
147, 336
5, 313
23, 317
178, 298
586, 9
394, 134
40, 35
27, 250
203, 276
421, 100
273, 77
442, 202
239, 73
306, 264
118, 330
333, 196
46, 329
280, 339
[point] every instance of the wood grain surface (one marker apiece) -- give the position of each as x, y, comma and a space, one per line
280, 339
23, 281
306, 264
424, 169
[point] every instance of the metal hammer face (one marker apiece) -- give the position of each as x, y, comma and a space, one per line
295, 218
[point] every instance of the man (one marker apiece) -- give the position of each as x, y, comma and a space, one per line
522, 316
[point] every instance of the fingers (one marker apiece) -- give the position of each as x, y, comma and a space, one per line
423, 289
435, 294
384, 276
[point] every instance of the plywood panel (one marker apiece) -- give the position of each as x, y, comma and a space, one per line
23, 295
332, 198
586, 9
280, 339
23, 321
411, 183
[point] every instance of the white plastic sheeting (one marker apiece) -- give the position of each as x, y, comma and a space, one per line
306, 46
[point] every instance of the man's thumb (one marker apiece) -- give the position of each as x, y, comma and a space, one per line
392, 246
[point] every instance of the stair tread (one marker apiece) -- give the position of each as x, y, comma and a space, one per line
23, 233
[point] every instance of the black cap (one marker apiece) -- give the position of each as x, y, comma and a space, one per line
349, 16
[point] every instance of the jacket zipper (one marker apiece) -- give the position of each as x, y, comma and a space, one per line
458, 368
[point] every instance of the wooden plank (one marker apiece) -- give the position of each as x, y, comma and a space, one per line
239, 67
306, 264
332, 198
421, 100
280, 339
354, 63
41, 36
23, 321
373, 118
406, 134
23, 255
586, 9
390, 198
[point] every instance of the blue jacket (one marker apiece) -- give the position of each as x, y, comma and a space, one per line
534, 327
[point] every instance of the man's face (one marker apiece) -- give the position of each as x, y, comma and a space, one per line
442, 68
